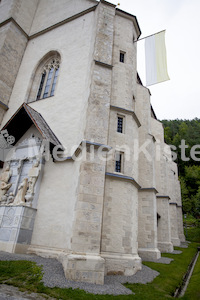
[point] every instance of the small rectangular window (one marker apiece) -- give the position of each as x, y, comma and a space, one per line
118, 162
120, 124
122, 57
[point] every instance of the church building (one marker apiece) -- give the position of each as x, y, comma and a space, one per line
86, 176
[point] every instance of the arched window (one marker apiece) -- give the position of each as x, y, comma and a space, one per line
44, 77
48, 79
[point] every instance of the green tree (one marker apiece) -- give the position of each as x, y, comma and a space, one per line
189, 171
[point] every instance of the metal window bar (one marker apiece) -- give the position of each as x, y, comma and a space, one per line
48, 83
120, 124
54, 82
121, 57
118, 162
41, 86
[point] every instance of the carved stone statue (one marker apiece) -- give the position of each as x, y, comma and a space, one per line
4, 186
20, 197
6, 174
33, 175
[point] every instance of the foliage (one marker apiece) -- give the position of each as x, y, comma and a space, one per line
189, 130
192, 234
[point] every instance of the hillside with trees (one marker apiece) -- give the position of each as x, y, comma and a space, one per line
187, 133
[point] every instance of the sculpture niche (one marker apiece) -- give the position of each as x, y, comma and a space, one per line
25, 191
4, 187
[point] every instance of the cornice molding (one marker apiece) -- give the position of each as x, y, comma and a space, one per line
30, 37
127, 111
123, 178
149, 189
102, 64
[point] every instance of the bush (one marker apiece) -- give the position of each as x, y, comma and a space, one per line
197, 223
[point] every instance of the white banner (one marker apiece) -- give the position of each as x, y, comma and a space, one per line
156, 60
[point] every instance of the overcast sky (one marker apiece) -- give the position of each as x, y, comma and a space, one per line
180, 96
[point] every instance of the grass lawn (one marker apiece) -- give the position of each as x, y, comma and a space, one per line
193, 289
27, 276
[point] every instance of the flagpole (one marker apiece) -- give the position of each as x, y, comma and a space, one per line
149, 36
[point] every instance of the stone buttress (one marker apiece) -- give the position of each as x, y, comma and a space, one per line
85, 263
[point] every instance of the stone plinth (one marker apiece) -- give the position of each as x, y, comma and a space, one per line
16, 227
121, 264
84, 268
149, 253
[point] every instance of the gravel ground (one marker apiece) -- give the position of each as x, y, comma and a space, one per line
176, 252
184, 244
162, 260
54, 276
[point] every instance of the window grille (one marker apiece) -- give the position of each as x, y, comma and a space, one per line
41, 85
118, 162
48, 79
121, 57
120, 124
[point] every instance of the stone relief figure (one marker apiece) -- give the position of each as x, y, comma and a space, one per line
20, 197
5, 176
10, 198
33, 176
4, 186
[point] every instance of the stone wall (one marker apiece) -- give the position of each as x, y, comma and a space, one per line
15, 22
12, 47
163, 224
119, 244
147, 235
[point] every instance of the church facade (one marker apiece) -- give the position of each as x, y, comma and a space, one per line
86, 175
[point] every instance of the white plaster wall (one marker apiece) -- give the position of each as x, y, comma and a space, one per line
50, 12
56, 205
65, 112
